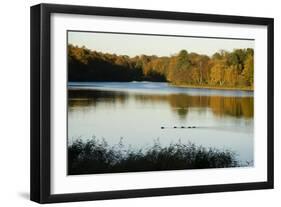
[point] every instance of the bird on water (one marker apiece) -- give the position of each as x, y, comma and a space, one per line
182, 127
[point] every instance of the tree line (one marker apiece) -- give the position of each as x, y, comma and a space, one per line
223, 69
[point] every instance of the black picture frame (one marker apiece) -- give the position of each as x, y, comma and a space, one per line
40, 184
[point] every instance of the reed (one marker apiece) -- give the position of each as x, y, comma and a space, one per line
97, 156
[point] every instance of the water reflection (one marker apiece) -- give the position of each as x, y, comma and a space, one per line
180, 104
137, 114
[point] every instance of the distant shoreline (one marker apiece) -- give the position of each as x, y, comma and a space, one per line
212, 87
179, 86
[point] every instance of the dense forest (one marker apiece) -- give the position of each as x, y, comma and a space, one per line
223, 69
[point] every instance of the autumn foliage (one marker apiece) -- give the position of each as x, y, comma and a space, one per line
223, 69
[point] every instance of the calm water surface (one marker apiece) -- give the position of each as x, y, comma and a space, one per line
136, 111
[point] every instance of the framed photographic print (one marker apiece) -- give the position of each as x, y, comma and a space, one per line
132, 103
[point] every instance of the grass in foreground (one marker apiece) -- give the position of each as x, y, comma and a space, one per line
96, 156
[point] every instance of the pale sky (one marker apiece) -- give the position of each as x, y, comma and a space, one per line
132, 45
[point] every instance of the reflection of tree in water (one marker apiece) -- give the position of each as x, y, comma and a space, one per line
232, 106
179, 103
94, 98
220, 105
182, 112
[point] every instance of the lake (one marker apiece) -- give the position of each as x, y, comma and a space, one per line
141, 113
